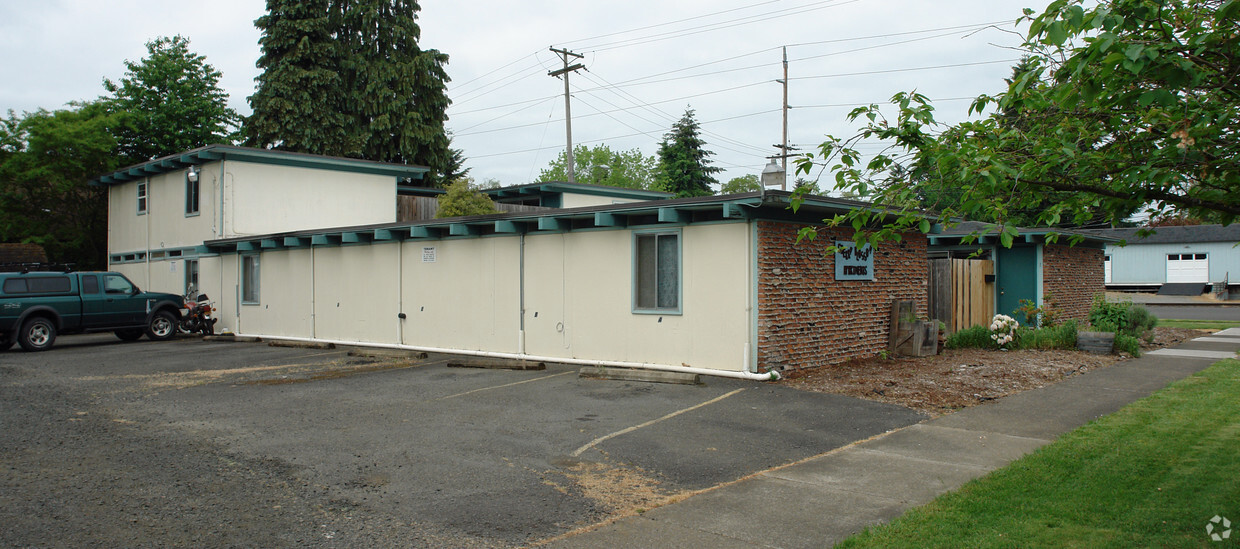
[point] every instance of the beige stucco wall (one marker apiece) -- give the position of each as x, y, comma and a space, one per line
582, 292
578, 296
574, 200
264, 199
165, 223
259, 199
467, 298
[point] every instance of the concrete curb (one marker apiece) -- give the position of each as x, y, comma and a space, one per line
649, 376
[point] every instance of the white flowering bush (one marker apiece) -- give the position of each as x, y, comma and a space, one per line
1003, 329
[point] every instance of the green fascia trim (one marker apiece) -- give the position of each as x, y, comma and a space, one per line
671, 215
552, 224
422, 232
936, 228
268, 243
605, 219
324, 239
261, 156
734, 210
246, 247
384, 234
202, 250
512, 227
296, 242
355, 237
462, 229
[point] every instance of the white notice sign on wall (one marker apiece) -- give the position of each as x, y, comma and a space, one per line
428, 254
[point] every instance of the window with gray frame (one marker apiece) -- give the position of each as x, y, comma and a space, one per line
191, 193
656, 272
191, 275
249, 280
142, 197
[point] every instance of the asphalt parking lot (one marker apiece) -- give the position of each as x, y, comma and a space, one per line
205, 443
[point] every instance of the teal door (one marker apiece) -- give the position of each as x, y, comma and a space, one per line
1016, 278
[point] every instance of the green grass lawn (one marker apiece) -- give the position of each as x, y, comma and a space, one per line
1199, 324
1150, 475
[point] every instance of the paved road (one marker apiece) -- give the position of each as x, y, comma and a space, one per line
1197, 312
196, 443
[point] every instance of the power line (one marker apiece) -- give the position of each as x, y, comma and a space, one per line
806, 8
951, 66
671, 22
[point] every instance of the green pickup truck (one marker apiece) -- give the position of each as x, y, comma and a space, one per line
36, 306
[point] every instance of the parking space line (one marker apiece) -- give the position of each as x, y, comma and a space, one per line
506, 385
598, 440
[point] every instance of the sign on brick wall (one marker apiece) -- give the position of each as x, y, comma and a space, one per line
853, 263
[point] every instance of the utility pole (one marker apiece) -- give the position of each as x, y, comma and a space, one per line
568, 105
784, 150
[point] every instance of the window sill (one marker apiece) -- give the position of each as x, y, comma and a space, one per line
664, 312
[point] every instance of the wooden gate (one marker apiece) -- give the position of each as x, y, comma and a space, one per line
960, 293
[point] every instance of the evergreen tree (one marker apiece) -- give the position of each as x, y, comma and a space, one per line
373, 93
684, 165
299, 104
173, 100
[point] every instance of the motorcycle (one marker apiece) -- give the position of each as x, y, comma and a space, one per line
197, 316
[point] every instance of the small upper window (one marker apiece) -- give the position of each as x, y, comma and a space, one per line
142, 197
191, 192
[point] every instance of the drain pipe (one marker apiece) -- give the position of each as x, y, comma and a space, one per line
769, 376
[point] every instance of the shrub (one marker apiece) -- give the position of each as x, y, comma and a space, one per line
975, 337
463, 199
1122, 318
1062, 336
1003, 329
1128, 344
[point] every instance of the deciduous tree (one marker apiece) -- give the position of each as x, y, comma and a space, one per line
1126, 104
599, 165
743, 184
46, 158
173, 102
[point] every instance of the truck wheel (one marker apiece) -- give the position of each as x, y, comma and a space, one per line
129, 335
37, 334
163, 326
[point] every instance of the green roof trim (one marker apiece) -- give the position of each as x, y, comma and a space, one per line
678, 212
211, 153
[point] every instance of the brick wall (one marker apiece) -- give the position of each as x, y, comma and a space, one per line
1071, 277
806, 318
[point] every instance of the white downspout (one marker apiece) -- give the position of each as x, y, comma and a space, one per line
314, 320
521, 293
771, 376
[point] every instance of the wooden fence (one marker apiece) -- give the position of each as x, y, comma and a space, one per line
960, 294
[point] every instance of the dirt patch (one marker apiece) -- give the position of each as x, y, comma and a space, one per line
959, 378
618, 489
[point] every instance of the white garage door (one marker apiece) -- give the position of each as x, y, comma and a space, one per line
1188, 268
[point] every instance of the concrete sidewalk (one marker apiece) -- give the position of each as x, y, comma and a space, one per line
821, 501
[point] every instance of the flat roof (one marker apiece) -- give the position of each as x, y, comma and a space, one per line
211, 153
768, 205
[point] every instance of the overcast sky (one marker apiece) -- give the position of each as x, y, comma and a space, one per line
646, 62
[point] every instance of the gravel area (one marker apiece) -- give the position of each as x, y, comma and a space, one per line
959, 378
